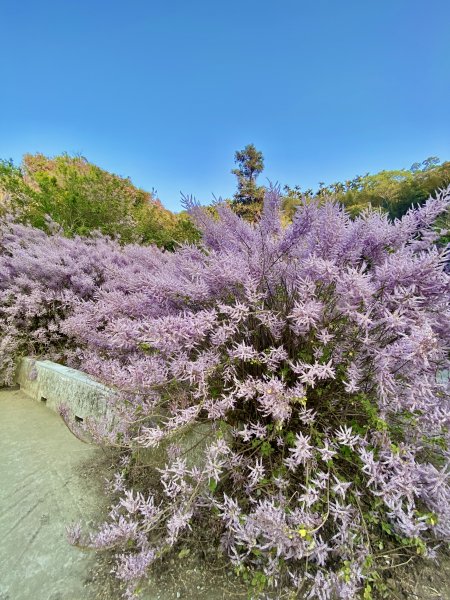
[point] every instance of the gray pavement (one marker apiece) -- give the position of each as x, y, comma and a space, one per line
41, 491
49, 478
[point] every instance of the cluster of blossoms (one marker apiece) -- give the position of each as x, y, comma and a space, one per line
312, 358
44, 277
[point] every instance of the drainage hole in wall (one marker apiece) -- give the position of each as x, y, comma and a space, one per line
78, 419
43, 399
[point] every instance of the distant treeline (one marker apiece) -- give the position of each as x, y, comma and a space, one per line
393, 191
73, 195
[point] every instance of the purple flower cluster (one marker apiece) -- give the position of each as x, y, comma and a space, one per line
314, 352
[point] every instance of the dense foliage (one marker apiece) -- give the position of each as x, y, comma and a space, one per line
83, 198
393, 191
312, 357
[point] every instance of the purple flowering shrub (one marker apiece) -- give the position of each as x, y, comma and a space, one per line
314, 352
42, 278
314, 356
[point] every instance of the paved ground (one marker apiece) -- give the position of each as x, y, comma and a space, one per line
40, 492
47, 481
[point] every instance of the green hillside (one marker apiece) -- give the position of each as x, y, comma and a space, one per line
81, 198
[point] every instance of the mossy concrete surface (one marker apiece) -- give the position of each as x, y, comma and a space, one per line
41, 491
83, 396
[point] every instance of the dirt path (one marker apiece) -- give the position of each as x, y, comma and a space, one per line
41, 491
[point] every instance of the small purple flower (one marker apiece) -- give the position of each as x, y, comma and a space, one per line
300, 453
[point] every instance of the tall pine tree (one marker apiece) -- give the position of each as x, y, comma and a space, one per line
250, 164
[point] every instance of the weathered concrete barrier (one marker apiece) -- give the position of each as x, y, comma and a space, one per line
55, 384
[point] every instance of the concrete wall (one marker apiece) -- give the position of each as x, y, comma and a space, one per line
49, 382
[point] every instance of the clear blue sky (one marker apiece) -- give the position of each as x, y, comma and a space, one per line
166, 91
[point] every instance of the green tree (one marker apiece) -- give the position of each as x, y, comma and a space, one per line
250, 164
